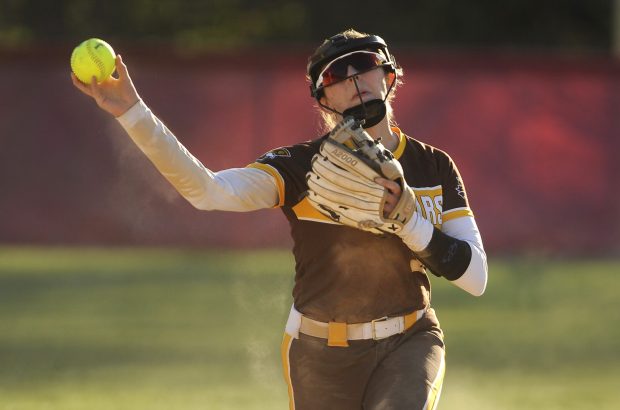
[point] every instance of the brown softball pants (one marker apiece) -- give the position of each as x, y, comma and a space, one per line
404, 371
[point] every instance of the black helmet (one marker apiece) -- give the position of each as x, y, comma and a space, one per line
338, 45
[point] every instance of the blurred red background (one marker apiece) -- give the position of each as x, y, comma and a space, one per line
535, 138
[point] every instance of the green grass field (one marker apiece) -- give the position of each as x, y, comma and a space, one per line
168, 329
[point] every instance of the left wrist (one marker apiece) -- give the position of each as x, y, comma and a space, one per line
417, 232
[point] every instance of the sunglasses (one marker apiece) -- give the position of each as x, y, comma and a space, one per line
337, 70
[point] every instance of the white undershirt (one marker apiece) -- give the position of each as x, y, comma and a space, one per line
249, 189
235, 189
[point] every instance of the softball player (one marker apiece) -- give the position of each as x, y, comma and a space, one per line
361, 333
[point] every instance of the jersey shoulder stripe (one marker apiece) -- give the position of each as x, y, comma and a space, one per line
276, 175
289, 166
455, 213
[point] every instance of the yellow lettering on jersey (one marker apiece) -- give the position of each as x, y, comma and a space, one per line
429, 201
429, 208
439, 205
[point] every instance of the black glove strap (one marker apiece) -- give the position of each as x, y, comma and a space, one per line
446, 256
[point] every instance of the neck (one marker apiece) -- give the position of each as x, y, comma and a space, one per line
382, 130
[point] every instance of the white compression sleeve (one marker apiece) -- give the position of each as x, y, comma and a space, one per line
474, 280
238, 189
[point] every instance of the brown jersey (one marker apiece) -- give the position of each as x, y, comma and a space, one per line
348, 275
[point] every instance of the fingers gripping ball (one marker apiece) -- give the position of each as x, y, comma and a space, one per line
93, 58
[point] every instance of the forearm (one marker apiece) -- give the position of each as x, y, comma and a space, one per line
241, 189
455, 252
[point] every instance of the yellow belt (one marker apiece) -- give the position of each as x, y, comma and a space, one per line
337, 334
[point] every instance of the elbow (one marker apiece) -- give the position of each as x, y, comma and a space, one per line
480, 285
475, 285
479, 291
482, 269
474, 279
199, 202
484, 284
197, 197
201, 205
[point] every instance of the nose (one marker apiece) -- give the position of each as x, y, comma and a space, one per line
351, 71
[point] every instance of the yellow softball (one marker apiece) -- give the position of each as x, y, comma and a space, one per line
93, 57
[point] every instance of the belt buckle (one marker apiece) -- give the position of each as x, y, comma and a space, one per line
373, 329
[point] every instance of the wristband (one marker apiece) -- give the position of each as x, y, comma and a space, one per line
446, 256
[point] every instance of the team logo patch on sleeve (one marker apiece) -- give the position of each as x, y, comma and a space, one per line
460, 190
278, 152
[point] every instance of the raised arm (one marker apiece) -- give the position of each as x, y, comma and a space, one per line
239, 189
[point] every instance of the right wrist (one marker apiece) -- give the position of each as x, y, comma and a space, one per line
126, 108
133, 114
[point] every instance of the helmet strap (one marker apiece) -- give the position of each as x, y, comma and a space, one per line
369, 113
